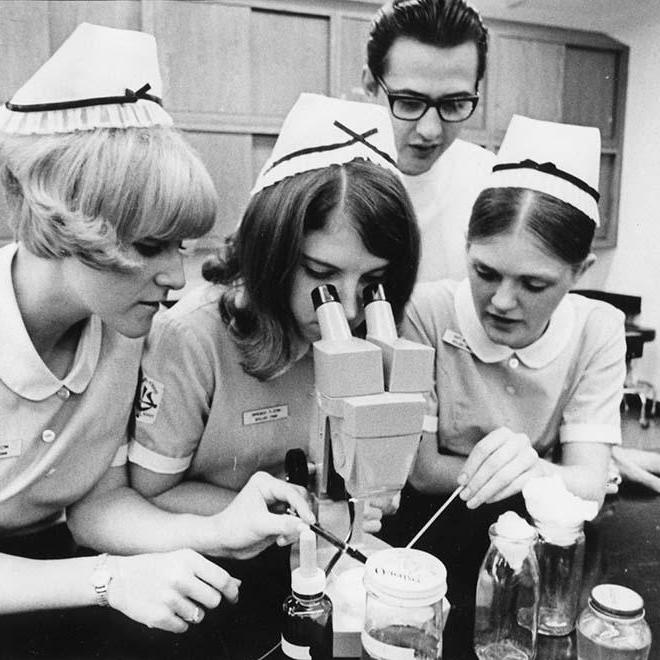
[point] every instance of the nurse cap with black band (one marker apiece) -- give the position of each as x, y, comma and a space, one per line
562, 160
100, 77
320, 131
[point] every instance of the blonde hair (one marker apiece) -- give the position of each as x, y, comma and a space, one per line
91, 194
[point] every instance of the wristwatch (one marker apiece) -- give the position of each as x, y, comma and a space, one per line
101, 578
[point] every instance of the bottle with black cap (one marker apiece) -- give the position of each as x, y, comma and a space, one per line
307, 624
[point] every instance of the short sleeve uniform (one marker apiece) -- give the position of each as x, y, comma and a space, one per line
200, 413
443, 198
565, 387
58, 437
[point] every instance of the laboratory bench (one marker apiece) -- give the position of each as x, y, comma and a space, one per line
622, 546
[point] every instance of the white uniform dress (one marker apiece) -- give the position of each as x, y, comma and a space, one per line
58, 437
565, 387
200, 413
443, 199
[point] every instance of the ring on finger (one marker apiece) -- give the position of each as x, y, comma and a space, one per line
196, 616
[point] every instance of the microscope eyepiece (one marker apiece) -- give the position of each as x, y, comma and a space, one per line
373, 292
324, 294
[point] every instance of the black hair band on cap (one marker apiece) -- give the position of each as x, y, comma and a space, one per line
553, 170
355, 138
129, 97
361, 138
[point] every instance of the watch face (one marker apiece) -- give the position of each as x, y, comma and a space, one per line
101, 578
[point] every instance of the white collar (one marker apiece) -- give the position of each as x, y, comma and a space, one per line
537, 355
21, 367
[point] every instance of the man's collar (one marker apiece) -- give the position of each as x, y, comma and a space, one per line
21, 367
537, 355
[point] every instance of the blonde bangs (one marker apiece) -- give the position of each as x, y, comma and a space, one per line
166, 195
92, 194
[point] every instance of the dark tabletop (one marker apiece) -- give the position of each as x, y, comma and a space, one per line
622, 546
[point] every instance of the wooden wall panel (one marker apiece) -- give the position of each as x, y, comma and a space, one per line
289, 54
590, 88
262, 145
24, 43
529, 80
609, 193
229, 160
352, 56
204, 58
65, 15
24, 47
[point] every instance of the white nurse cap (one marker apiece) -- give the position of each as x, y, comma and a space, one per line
320, 131
100, 77
561, 160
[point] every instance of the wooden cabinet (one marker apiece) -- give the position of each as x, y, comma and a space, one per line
233, 68
560, 75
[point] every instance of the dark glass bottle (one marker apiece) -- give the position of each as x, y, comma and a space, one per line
307, 612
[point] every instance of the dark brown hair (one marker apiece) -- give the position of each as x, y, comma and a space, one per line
261, 258
564, 231
440, 23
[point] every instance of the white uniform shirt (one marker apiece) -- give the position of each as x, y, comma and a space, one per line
443, 199
58, 437
565, 387
200, 412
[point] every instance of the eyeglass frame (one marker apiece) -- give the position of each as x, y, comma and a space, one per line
392, 97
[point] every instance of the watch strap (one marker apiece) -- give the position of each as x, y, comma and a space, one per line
101, 578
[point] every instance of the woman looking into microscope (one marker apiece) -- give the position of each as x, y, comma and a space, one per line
327, 208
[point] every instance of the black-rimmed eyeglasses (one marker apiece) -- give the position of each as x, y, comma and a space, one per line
411, 108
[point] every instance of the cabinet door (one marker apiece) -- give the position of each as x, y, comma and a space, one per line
529, 79
590, 89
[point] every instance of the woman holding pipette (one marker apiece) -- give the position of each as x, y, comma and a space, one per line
528, 376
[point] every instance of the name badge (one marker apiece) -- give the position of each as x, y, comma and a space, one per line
271, 414
10, 448
455, 339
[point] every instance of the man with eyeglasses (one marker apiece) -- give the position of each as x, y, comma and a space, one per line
425, 59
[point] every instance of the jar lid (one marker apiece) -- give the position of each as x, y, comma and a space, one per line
410, 576
615, 600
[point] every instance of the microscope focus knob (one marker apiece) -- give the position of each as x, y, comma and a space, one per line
296, 467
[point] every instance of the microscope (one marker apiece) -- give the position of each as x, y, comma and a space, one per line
368, 421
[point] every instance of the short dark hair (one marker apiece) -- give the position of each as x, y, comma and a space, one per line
262, 257
563, 230
441, 23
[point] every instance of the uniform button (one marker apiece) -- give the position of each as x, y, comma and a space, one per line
48, 435
514, 362
64, 393
510, 389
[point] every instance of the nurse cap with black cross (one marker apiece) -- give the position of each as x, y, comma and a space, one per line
562, 160
100, 77
320, 131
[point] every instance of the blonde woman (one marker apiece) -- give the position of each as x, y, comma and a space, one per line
102, 191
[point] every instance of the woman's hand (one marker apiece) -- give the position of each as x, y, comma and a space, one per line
247, 527
638, 466
377, 507
498, 467
168, 590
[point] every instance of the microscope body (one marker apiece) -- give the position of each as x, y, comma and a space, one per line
369, 406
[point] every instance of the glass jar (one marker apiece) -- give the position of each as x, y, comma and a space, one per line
404, 606
507, 598
612, 625
560, 553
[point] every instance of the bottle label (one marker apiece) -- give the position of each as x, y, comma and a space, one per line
378, 649
294, 651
